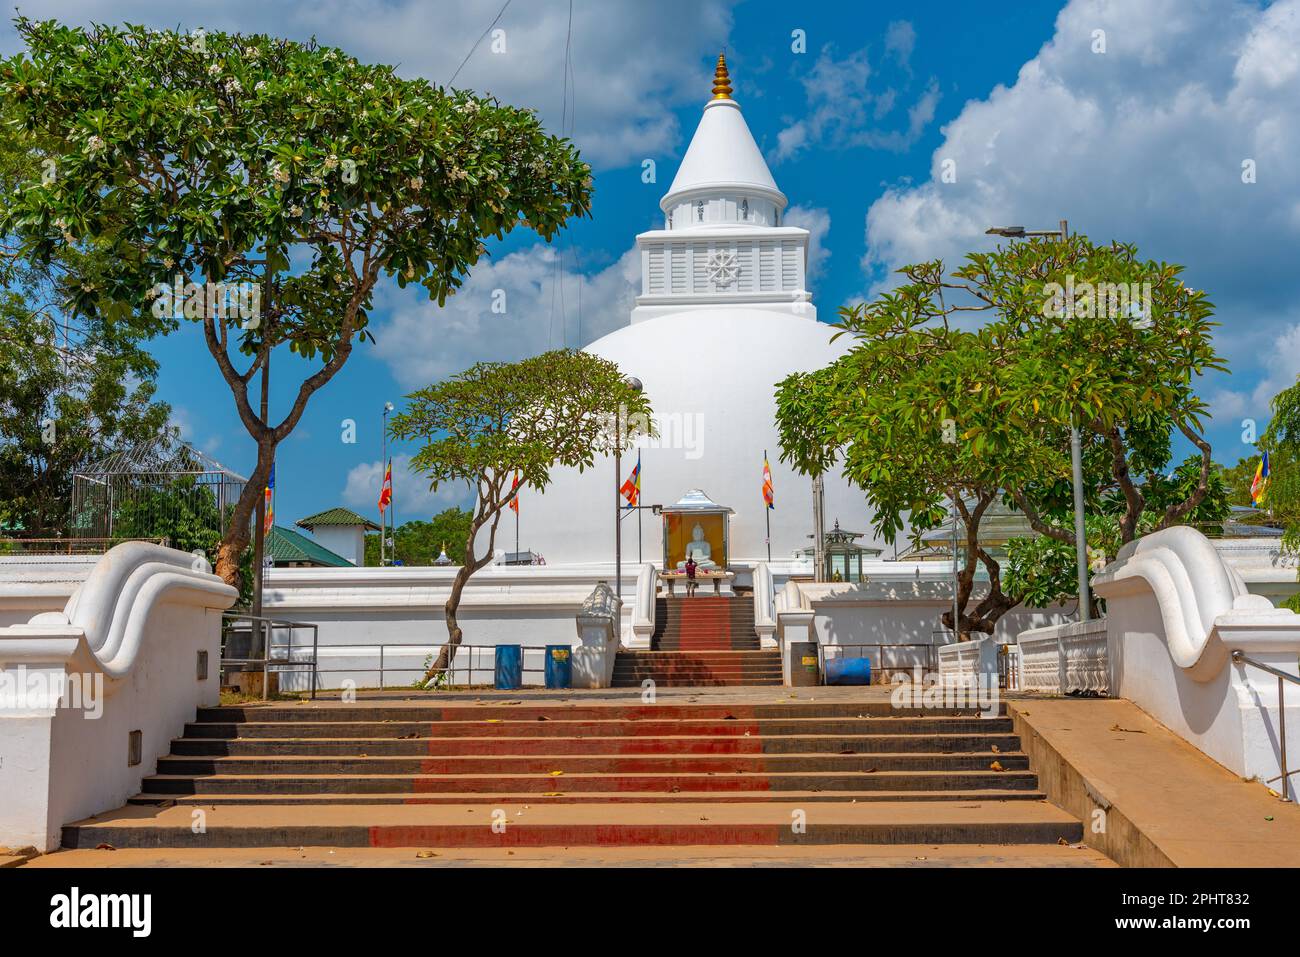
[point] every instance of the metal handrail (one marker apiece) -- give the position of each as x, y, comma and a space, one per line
931, 652
1282, 678
267, 661
469, 666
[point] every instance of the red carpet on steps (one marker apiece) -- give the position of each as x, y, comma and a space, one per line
705, 624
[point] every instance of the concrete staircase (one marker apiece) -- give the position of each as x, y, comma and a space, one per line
698, 642
551, 775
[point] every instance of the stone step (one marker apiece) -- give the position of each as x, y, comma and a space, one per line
766, 728
705, 654
589, 797
680, 744
575, 825
621, 712
695, 671
912, 780
760, 764
667, 681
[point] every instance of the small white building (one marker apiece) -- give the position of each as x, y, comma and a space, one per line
342, 531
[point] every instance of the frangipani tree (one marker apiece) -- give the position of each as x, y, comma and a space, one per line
289, 174
497, 420
931, 405
911, 414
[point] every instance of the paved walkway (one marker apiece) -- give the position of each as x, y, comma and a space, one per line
1195, 811
834, 855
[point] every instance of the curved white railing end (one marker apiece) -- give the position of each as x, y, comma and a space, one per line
112, 606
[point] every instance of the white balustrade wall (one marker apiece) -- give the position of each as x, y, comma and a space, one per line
1065, 658
1175, 613
132, 656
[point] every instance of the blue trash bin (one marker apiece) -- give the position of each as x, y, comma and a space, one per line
848, 671
509, 667
559, 666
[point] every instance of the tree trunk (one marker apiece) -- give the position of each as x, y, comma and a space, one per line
238, 531
471, 565
454, 634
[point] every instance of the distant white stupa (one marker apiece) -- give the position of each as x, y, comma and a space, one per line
723, 316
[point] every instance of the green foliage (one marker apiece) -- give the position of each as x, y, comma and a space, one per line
498, 418
246, 159
1282, 440
1237, 479
924, 409
559, 409
60, 410
1040, 570
419, 542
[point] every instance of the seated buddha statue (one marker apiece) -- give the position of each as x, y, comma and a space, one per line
699, 549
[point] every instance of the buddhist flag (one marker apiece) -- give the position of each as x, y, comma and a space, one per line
769, 496
269, 518
514, 494
631, 489
1259, 487
386, 490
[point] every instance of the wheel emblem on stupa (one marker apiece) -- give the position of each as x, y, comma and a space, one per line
723, 268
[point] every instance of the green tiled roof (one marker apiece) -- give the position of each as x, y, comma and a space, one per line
284, 545
335, 516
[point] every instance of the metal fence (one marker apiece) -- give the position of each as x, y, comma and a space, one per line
286, 649
885, 659
466, 661
243, 636
66, 546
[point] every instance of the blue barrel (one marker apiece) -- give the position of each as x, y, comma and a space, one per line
559, 666
848, 671
509, 667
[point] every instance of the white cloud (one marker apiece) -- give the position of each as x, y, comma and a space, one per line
1143, 143
847, 103
900, 41
548, 305
818, 223
632, 63
412, 499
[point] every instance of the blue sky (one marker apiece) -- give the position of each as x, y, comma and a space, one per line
1132, 119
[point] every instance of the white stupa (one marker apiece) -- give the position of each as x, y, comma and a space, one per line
723, 316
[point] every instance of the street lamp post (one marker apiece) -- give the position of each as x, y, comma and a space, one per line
1076, 453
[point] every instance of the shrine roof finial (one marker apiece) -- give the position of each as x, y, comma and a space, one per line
721, 79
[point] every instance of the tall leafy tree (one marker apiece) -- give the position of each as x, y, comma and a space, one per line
560, 409
929, 405
288, 169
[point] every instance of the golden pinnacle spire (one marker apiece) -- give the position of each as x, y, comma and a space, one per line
721, 80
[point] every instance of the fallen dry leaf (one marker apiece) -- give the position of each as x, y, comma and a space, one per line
996, 766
